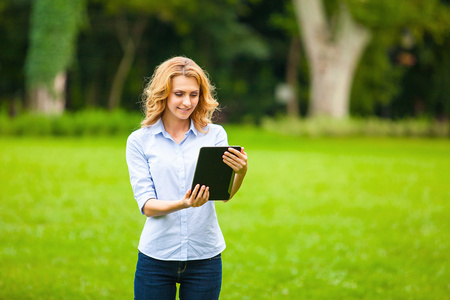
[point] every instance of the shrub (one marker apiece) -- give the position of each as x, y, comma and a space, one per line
315, 127
86, 122
120, 122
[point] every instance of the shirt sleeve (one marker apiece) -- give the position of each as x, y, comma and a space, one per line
221, 138
140, 176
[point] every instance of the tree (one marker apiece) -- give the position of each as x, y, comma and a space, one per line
209, 43
54, 27
335, 36
129, 38
14, 24
288, 93
332, 56
425, 87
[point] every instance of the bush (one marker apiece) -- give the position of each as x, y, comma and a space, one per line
86, 122
315, 127
102, 122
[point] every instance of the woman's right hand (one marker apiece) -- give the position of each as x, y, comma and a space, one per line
197, 198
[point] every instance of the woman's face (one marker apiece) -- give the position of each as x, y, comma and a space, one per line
183, 98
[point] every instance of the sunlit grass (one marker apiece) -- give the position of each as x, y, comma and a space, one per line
315, 219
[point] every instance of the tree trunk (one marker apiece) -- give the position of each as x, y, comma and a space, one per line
293, 108
130, 42
43, 100
121, 76
332, 58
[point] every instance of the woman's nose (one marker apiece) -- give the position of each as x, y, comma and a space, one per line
186, 100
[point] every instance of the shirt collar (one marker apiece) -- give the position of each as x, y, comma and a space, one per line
193, 128
158, 127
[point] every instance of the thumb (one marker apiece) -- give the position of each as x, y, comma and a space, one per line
188, 193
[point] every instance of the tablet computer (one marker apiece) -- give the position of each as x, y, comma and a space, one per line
213, 172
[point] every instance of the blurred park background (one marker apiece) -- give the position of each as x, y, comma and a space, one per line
364, 59
342, 105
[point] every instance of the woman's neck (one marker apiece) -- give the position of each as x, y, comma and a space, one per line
176, 128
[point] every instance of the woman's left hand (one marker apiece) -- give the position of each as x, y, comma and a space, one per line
236, 160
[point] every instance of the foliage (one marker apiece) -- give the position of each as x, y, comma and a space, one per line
14, 23
331, 219
242, 44
425, 88
54, 28
377, 79
316, 127
174, 28
396, 26
86, 122
400, 28
393, 17
119, 122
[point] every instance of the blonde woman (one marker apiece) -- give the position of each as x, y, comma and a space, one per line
181, 241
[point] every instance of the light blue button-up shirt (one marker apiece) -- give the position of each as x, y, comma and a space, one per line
162, 169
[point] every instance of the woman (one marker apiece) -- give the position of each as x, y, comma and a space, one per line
181, 241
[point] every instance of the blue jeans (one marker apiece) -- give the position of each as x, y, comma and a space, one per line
198, 279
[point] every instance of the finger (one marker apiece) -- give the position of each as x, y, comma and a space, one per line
234, 152
233, 157
233, 165
187, 200
230, 163
198, 200
241, 157
233, 161
241, 154
195, 191
207, 195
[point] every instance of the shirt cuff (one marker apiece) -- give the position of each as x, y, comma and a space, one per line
143, 199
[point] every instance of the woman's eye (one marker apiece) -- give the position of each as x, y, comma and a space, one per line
178, 94
194, 95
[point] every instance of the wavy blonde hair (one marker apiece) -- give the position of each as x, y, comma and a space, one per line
155, 93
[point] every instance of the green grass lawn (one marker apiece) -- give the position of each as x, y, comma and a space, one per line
344, 218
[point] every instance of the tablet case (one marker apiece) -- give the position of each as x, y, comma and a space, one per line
213, 172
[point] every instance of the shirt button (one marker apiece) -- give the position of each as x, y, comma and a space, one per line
184, 220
